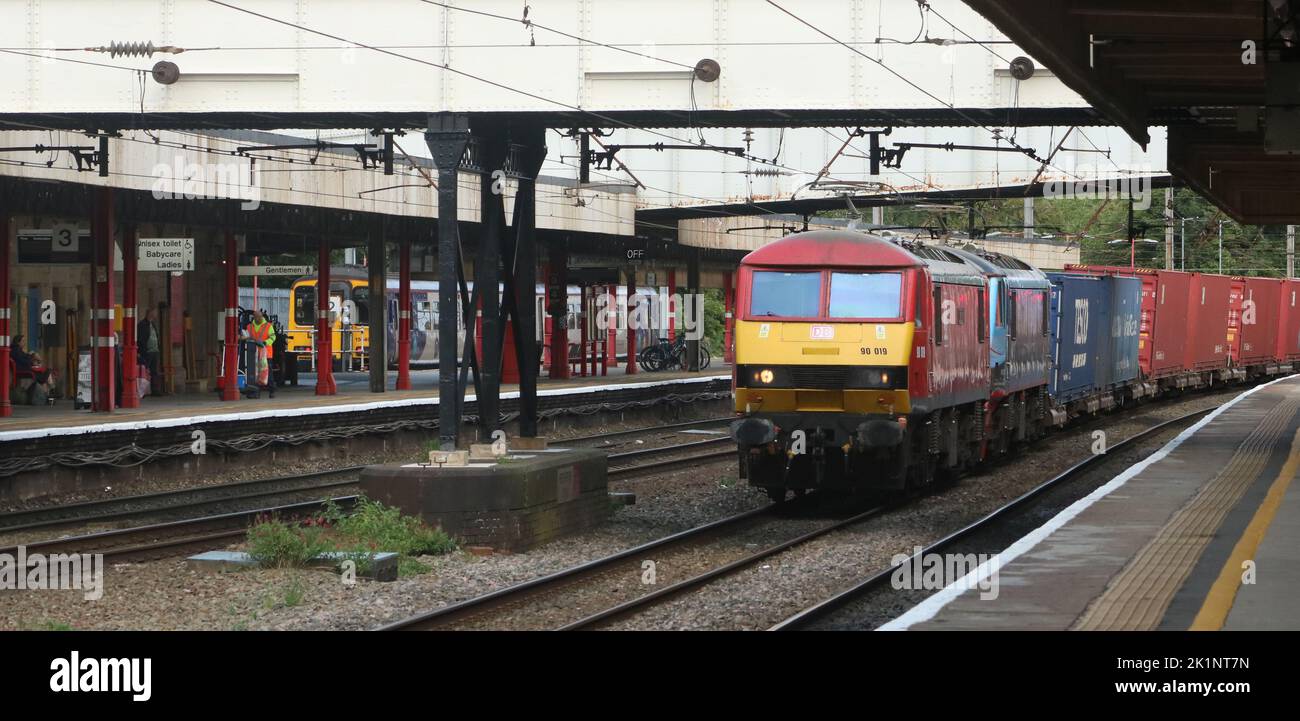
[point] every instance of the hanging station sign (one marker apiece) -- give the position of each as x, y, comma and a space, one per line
291, 271
165, 254
63, 244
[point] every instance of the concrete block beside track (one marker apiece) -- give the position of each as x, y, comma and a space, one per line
522, 501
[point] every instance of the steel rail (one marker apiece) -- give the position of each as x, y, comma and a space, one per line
824, 608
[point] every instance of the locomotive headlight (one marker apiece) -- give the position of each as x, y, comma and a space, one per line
766, 375
884, 378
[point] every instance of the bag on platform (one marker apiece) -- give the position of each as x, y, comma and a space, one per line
142, 387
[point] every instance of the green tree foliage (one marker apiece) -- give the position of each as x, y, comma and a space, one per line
1247, 249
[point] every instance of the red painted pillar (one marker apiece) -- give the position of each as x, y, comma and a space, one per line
478, 331
104, 377
728, 320
509, 363
230, 381
130, 364
672, 304
611, 323
582, 330
547, 333
404, 316
324, 324
631, 323
6, 409
557, 300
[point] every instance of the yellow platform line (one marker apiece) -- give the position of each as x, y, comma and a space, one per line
1140, 594
1218, 602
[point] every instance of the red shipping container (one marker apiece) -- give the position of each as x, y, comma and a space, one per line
1288, 339
1164, 335
1259, 321
1207, 328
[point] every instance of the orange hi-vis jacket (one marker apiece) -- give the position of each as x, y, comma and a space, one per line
264, 333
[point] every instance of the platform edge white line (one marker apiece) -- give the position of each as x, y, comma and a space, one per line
930, 607
25, 434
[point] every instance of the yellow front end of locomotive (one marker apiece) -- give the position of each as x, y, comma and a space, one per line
794, 366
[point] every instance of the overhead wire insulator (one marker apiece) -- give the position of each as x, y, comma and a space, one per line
135, 49
765, 172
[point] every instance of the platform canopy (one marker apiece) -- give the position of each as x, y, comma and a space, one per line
1231, 64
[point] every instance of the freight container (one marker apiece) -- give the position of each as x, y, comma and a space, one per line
1288, 339
1259, 321
1079, 328
1163, 333
1207, 322
1125, 313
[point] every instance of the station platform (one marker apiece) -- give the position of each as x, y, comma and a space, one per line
1201, 535
354, 397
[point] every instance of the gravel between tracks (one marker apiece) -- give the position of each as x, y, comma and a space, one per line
166, 595
760, 596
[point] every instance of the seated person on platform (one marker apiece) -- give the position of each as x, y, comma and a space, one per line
30, 363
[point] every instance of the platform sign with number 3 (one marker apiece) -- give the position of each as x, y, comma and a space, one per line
65, 239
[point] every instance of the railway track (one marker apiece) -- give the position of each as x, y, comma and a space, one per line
173, 537
206, 497
476, 611
674, 462
880, 580
168, 538
519, 606
113, 509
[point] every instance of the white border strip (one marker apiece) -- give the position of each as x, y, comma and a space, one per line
323, 410
930, 607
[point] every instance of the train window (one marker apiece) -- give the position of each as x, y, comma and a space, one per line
304, 305
361, 298
789, 295
938, 315
1011, 314
866, 295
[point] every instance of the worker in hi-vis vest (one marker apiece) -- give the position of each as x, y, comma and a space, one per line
260, 334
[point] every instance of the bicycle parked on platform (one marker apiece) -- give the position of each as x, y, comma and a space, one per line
671, 355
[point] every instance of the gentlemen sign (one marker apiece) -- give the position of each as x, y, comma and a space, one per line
275, 270
165, 254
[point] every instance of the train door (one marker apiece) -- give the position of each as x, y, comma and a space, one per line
390, 334
1000, 302
424, 325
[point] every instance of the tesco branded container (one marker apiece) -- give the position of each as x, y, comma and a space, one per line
1079, 329
1125, 314
1208, 303
1163, 334
1258, 321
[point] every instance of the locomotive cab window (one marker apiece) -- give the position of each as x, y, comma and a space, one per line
790, 295
304, 305
361, 298
866, 295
